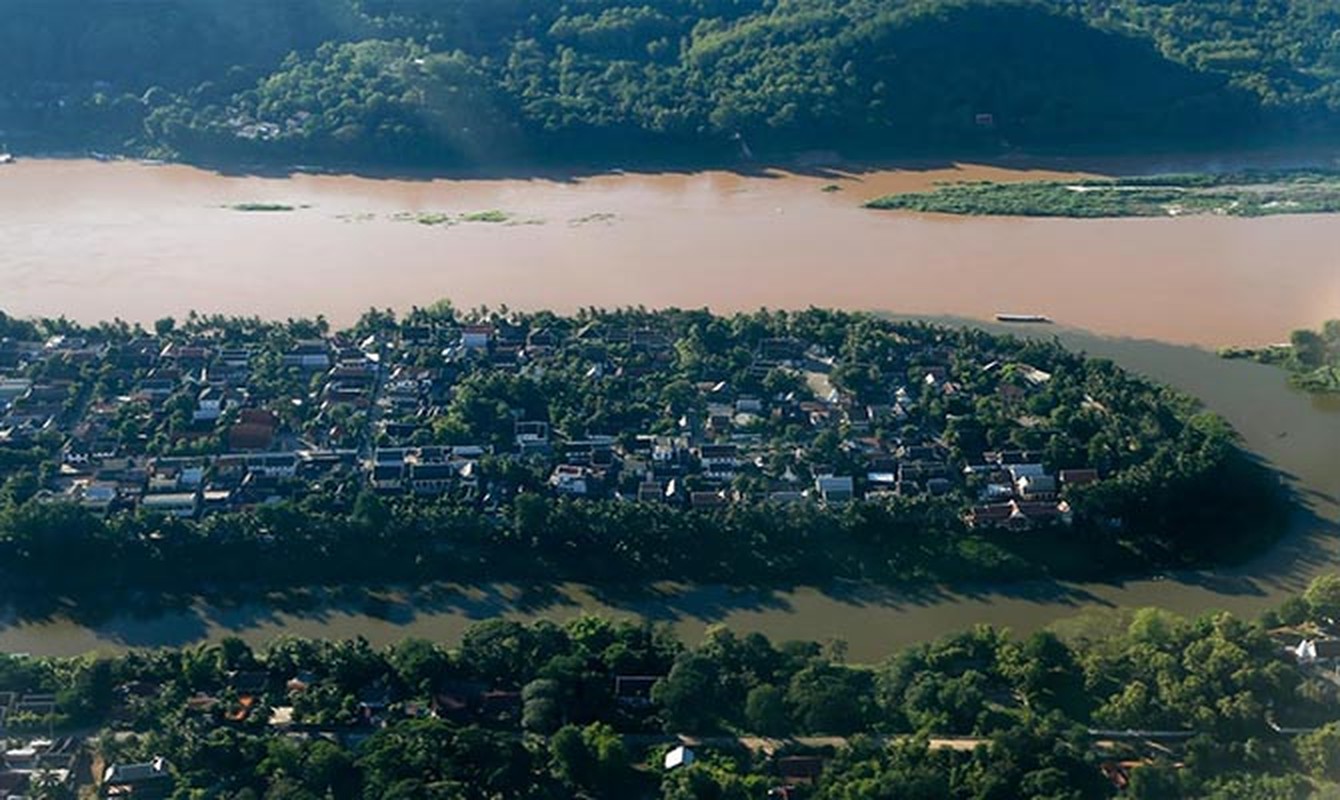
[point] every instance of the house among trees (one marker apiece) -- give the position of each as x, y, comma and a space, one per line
680, 756
151, 780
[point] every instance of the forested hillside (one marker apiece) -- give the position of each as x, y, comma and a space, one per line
481, 81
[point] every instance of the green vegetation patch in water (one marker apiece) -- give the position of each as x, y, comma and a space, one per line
442, 218
492, 215
1247, 194
1311, 357
262, 207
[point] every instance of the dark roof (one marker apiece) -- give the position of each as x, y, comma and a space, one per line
634, 685
800, 766
248, 682
123, 774
13, 783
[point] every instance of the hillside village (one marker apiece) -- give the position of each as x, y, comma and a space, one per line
225, 415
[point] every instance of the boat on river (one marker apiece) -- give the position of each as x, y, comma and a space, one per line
1036, 318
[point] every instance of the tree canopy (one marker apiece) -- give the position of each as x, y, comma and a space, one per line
470, 82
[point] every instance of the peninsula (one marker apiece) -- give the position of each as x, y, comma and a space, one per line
774, 448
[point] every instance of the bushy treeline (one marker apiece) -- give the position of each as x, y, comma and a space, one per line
1312, 357
540, 710
471, 82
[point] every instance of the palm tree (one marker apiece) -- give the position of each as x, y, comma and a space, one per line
50, 785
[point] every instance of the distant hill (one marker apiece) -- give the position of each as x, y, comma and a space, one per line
480, 81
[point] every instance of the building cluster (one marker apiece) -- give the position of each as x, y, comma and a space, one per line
38, 764
210, 422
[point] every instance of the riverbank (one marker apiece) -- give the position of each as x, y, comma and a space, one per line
1250, 194
1090, 161
1311, 358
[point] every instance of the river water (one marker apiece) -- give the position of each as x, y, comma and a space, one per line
93, 241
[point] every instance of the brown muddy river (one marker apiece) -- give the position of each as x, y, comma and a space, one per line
94, 241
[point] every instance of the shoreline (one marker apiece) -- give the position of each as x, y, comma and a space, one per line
1131, 160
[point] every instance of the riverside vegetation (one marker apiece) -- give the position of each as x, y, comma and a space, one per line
610, 447
588, 709
1311, 357
467, 83
1249, 194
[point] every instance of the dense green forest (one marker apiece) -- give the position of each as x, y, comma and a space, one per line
1162, 706
470, 82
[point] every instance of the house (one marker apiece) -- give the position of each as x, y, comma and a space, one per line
47, 762
311, 354
1312, 650
706, 501
254, 430
152, 779
14, 784
457, 701
532, 437
669, 454
209, 405
476, 337
1077, 477
650, 492
680, 756
274, 465
800, 770
939, 487
571, 480
835, 489
541, 340
780, 351
634, 691
175, 504
1018, 515
748, 405
431, 478
388, 476
98, 495
719, 460
995, 515
1036, 487
216, 501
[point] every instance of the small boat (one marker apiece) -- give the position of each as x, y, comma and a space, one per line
1022, 318
6, 158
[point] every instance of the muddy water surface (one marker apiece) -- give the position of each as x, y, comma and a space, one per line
93, 240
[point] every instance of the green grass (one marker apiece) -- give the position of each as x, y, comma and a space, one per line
1247, 194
